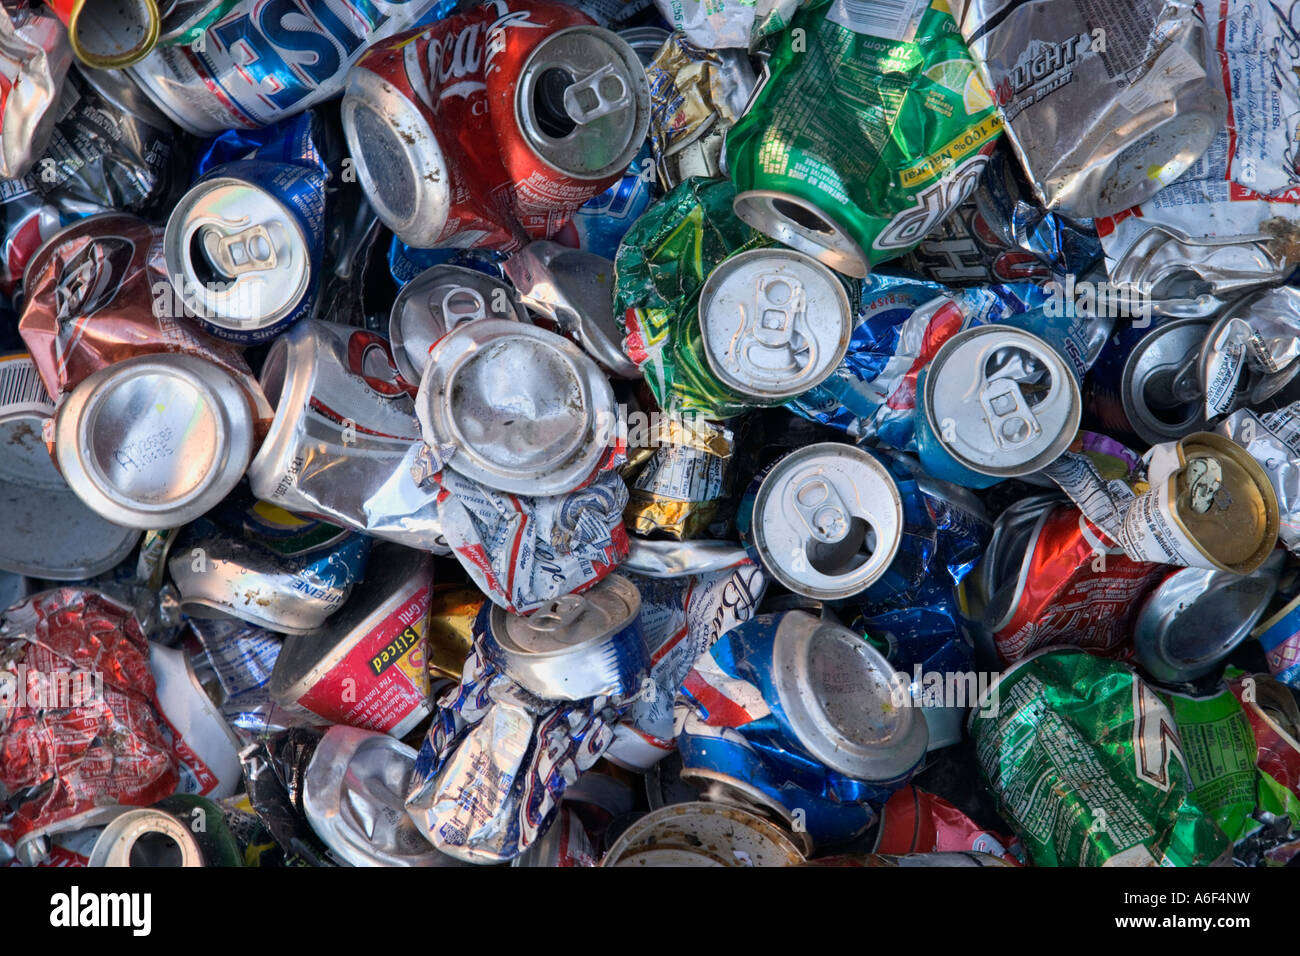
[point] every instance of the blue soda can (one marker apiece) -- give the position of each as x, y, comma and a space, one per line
995, 402
803, 718
244, 246
293, 141
406, 262
600, 224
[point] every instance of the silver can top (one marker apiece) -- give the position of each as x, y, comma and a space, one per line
236, 255
828, 520
145, 837
837, 692
1161, 389
775, 323
577, 646
702, 834
797, 223
154, 441
435, 302
399, 161
526, 410
583, 102
1001, 401
353, 793
1195, 617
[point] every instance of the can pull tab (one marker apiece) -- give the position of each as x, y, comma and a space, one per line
249, 250
766, 342
1204, 478
559, 614
462, 304
822, 509
1009, 417
597, 94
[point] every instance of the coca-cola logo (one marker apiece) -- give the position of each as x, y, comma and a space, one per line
456, 62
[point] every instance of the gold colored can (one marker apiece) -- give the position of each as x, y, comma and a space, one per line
109, 35
452, 610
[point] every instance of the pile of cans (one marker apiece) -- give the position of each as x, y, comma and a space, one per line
631, 433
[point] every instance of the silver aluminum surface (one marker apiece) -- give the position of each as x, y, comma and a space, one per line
702, 834
145, 838
1161, 391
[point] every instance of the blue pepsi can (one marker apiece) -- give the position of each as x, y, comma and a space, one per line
600, 224
244, 248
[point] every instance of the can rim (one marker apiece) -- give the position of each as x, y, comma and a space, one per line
147, 8
1140, 419
219, 391
649, 826
1061, 372
134, 824
756, 208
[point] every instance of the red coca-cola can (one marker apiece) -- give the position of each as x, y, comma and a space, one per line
490, 127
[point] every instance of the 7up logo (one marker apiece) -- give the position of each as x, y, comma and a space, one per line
933, 204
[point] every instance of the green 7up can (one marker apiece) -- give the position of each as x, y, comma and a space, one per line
869, 127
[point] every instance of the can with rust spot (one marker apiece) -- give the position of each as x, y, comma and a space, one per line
366, 666
702, 834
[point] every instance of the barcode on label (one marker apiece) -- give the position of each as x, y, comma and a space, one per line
891, 19
20, 384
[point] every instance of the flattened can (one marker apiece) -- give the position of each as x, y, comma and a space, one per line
995, 402
1075, 738
1195, 617
575, 647
434, 303
1210, 505
826, 520
1106, 101
774, 324
702, 834
1145, 381
366, 666
244, 246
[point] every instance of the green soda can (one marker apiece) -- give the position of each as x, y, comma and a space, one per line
1087, 766
866, 131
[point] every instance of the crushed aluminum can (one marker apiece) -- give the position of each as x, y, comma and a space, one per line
523, 409
696, 95
111, 749
146, 838
285, 585
576, 646
243, 248
915, 821
343, 428
826, 521
565, 844
1049, 577
599, 224
1194, 618
1105, 102
35, 498
1074, 734
802, 714
182, 22
515, 752
353, 792
95, 295
216, 87
1273, 440
774, 324
703, 834
435, 302
109, 40
1210, 505
1251, 352
575, 290
691, 594
1145, 382
207, 750
826, 166
241, 656
994, 403
680, 484
34, 45
154, 441
366, 666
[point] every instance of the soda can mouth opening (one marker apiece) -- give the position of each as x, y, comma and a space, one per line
583, 103
146, 838
113, 36
1154, 391
398, 158
797, 223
